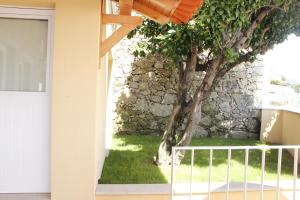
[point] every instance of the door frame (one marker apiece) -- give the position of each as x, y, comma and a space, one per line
38, 14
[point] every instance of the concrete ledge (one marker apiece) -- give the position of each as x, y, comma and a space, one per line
282, 109
184, 188
133, 189
151, 192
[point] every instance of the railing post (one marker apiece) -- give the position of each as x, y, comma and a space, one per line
295, 172
279, 172
263, 160
246, 173
172, 173
228, 173
210, 173
191, 176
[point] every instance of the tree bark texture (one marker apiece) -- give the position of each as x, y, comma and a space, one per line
186, 77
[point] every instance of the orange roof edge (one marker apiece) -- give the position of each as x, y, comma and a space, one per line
185, 10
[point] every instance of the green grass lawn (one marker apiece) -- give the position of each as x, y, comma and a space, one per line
131, 161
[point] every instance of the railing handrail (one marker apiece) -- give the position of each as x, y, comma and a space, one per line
236, 147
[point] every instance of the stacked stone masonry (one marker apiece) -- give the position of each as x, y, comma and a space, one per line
144, 89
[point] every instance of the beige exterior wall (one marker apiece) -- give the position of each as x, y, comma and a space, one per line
29, 3
78, 97
101, 115
281, 127
271, 126
74, 99
290, 128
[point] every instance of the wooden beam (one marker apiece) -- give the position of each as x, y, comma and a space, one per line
111, 41
125, 7
156, 16
121, 19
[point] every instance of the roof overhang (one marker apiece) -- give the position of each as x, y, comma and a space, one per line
161, 11
164, 11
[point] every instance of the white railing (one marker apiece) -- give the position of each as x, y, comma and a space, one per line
229, 150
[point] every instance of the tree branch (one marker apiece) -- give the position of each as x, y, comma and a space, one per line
244, 58
239, 44
273, 7
263, 33
186, 75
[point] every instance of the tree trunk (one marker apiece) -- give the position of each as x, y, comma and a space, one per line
169, 139
186, 77
201, 93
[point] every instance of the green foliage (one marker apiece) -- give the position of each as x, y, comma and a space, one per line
296, 87
217, 27
276, 103
283, 82
278, 82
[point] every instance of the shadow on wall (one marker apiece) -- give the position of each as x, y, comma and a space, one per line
271, 128
145, 96
233, 107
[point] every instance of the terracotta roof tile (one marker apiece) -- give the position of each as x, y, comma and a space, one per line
185, 10
163, 11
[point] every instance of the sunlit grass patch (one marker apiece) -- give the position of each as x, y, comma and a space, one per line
131, 161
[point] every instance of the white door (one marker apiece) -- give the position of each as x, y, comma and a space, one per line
25, 55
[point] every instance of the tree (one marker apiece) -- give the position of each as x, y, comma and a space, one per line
221, 35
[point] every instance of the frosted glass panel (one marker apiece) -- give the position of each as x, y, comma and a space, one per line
23, 55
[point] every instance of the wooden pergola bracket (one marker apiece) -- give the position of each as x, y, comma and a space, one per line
112, 40
127, 22
121, 19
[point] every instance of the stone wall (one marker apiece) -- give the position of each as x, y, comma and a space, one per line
144, 89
